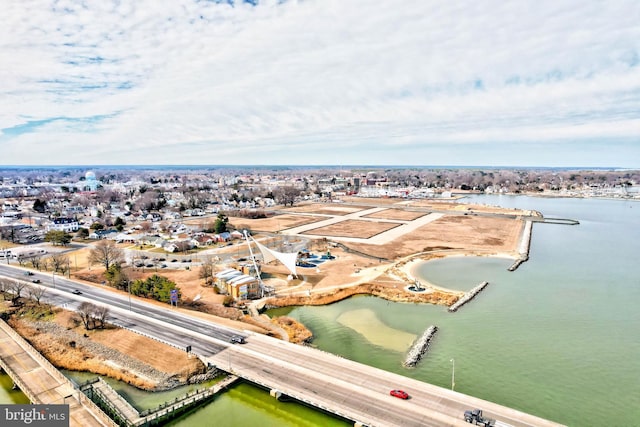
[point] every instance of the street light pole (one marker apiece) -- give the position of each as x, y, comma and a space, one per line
53, 277
129, 291
453, 373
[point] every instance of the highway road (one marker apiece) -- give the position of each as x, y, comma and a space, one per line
350, 389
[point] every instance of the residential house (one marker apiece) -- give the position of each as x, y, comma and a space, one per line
67, 225
103, 234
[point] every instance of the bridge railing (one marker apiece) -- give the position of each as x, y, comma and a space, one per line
19, 383
53, 371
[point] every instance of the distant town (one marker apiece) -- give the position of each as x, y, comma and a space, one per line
90, 259
106, 202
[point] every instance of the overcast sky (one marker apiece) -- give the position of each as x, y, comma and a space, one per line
332, 82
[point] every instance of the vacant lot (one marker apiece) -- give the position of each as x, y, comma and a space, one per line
326, 209
470, 233
273, 224
396, 214
353, 228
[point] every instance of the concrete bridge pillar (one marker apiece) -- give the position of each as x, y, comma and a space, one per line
275, 393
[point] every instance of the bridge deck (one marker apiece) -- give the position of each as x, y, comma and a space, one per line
42, 383
355, 391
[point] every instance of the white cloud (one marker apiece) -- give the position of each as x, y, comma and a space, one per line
179, 80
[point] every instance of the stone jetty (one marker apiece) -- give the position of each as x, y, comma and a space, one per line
525, 245
420, 347
468, 296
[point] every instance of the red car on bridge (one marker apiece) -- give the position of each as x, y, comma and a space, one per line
400, 394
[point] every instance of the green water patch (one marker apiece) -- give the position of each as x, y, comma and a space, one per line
245, 405
242, 404
7, 394
366, 323
141, 399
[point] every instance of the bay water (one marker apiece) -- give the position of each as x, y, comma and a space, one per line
558, 338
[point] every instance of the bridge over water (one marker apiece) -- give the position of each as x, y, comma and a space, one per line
346, 388
353, 390
42, 383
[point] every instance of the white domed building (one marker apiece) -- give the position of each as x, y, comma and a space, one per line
90, 182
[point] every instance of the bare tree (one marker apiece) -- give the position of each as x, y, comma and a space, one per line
85, 311
36, 293
99, 315
183, 245
59, 261
36, 262
4, 286
16, 288
206, 271
287, 195
146, 226
106, 253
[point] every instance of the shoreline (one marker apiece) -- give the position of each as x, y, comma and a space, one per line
410, 266
402, 275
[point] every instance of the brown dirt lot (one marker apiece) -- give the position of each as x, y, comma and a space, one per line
326, 208
352, 228
470, 233
397, 214
273, 224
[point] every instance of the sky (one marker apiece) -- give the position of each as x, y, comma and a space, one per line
320, 82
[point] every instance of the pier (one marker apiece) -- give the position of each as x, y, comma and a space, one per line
420, 347
468, 296
126, 415
563, 221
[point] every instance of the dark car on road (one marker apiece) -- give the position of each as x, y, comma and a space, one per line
237, 339
28, 273
36, 280
76, 292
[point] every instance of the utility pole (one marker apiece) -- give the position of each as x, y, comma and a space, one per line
453, 373
129, 291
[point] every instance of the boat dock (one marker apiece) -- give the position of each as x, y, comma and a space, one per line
420, 347
468, 296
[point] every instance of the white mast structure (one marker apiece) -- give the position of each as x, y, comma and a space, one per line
255, 264
268, 255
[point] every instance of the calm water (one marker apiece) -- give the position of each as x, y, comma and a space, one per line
10, 396
559, 338
242, 405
